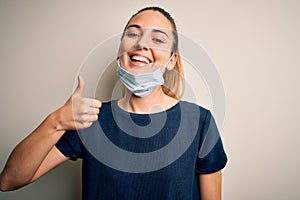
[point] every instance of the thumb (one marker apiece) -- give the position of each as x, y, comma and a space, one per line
80, 86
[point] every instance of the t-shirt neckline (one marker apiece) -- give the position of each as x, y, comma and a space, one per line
116, 107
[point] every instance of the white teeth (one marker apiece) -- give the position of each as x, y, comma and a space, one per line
141, 59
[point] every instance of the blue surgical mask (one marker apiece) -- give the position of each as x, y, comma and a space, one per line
141, 84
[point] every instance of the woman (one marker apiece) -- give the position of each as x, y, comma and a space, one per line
149, 67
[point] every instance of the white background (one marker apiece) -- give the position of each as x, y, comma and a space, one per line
253, 44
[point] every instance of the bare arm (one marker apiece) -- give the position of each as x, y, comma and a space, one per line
211, 186
53, 159
37, 154
28, 155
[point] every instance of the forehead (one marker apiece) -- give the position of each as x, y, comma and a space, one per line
150, 18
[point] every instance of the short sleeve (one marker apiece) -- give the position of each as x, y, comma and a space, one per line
70, 145
211, 155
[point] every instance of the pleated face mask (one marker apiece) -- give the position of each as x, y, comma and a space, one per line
141, 84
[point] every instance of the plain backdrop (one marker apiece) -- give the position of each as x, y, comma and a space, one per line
254, 46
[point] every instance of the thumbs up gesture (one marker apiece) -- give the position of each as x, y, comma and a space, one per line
78, 112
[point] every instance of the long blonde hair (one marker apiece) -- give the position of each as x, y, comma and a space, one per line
174, 80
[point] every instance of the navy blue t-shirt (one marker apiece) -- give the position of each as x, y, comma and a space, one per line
146, 156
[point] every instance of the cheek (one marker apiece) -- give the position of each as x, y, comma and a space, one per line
126, 46
163, 50
161, 55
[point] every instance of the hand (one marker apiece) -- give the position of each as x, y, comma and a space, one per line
78, 112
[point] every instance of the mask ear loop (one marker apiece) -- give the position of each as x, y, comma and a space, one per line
165, 66
118, 62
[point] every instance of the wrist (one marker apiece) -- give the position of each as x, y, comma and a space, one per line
55, 120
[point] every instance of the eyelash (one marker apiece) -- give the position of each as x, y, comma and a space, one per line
132, 35
156, 40
135, 35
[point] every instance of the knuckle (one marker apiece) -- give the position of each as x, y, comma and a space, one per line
83, 118
87, 124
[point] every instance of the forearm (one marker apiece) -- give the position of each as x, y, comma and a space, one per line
27, 156
36, 154
211, 186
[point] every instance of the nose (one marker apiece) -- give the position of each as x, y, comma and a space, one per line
143, 43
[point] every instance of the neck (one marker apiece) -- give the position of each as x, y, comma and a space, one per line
156, 101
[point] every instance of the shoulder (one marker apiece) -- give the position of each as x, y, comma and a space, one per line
189, 106
196, 114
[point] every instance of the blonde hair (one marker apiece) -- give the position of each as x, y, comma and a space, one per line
174, 80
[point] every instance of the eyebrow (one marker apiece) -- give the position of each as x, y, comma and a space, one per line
134, 25
160, 31
154, 30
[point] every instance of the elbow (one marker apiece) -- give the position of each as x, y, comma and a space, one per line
5, 186
6, 189
2, 185
3, 189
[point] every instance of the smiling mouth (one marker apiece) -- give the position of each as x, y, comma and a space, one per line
139, 59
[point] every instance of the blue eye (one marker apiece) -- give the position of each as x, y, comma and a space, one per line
132, 35
156, 40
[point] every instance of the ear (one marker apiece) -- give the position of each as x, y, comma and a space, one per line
119, 52
172, 62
